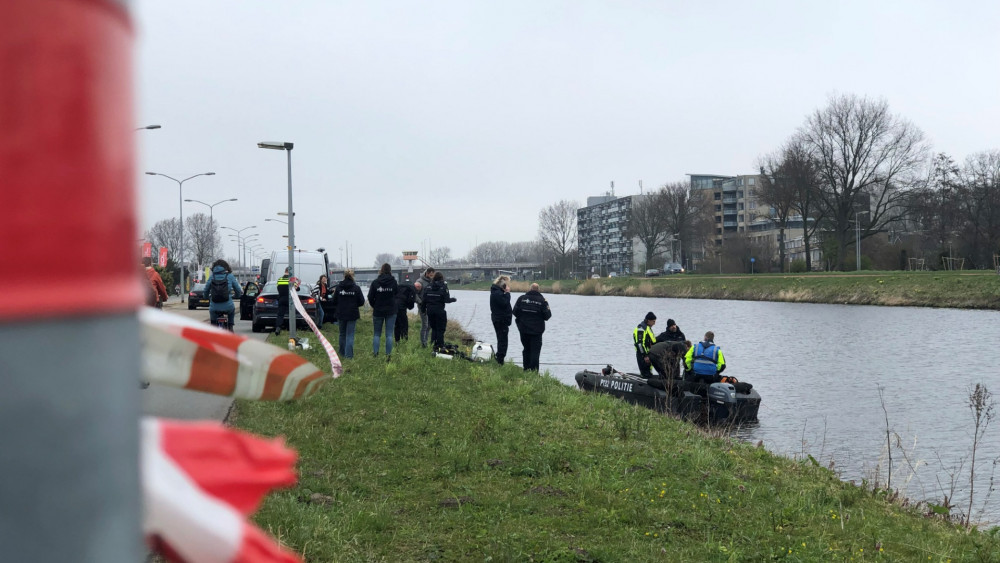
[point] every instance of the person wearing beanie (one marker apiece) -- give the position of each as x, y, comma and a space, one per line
672, 334
643, 338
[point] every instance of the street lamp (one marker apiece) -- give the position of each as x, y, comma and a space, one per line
287, 147
147, 127
211, 217
277, 220
857, 243
239, 238
180, 190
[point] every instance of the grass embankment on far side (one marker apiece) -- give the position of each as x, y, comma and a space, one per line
428, 459
960, 290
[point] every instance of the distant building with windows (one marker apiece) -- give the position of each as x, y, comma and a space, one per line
602, 228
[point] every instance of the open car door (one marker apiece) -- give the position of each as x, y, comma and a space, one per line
250, 291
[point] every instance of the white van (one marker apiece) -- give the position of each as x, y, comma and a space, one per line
309, 266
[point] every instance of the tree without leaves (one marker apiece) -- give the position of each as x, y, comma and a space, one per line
979, 207
165, 233
557, 228
388, 258
439, 256
788, 184
862, 150
932, 210
687, 215
201, 237
648, 223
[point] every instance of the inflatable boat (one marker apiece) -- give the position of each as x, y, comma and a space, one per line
716, 403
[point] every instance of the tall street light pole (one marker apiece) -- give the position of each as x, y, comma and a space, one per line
287, 147
180, 193
857, 242
239, 238
211, 217
147, 127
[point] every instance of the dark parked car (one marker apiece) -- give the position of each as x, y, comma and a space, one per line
673, 268
652, 272
198, 297
265, 307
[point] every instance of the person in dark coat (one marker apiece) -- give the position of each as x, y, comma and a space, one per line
672, 334
382, 298
347, 300
406, 298
284, 301
500, 314
435, 298
425, 325
531, 311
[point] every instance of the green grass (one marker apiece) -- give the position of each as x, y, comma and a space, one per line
964, 290
424, 459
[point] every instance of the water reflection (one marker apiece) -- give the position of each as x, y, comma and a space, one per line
818, 369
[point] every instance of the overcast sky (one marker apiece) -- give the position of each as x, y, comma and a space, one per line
448, 123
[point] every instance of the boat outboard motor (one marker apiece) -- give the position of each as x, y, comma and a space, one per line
721, 401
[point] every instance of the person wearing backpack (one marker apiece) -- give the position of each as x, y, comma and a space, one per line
222, 287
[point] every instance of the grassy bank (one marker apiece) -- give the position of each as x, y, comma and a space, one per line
424, 459
962, 290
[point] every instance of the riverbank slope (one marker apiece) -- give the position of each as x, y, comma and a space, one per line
959, 290
429, 459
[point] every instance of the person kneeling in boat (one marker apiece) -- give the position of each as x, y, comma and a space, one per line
705, 359
643, 339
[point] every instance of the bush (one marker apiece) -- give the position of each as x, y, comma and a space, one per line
797, 266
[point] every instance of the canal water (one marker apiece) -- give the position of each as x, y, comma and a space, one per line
818, 369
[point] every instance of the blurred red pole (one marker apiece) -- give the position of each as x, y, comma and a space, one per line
69, 284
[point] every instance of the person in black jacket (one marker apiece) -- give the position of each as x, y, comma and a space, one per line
382, 298
424, 282
406, 298
531, 311
435, 298
500, 314
347, 299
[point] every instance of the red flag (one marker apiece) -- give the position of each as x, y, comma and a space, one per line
163, 257
147, 250
200, 481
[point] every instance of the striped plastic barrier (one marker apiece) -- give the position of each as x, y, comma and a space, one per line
181, 352
335, 364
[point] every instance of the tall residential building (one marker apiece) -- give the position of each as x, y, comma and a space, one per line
602, 239
734, 203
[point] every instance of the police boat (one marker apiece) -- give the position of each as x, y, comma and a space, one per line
726, 402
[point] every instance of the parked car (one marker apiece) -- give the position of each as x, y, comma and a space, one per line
265, 308
613, 275
673, 268
198, 297
595, 277
652, 273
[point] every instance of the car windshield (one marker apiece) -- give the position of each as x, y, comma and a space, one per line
198, 287
272, 287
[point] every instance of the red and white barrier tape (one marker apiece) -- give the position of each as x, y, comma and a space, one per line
200, 481
181, 352
335, 364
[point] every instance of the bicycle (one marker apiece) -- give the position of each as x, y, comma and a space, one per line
222, 321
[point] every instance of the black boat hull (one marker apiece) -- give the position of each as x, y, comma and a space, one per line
720, 403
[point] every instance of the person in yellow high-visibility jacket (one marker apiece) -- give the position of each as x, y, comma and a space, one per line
705, 359
643, 339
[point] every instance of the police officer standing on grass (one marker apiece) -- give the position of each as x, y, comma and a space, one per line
531, 311
421, 285
643, 339
706, 359
500, 314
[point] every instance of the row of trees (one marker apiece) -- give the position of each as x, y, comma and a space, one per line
201, 238
855, 168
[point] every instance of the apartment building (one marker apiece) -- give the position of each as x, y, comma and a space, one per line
734, 202
602, 228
